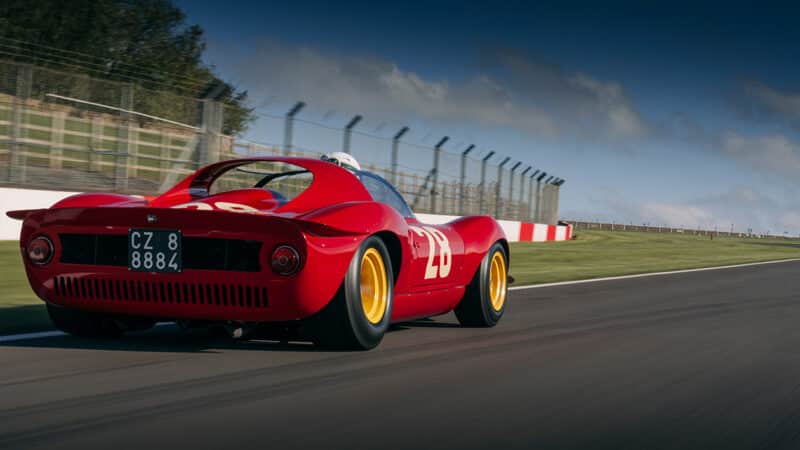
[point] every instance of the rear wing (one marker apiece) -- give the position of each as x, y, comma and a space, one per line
21, 214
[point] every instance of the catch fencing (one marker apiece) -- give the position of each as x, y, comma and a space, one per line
63, 131
578, 225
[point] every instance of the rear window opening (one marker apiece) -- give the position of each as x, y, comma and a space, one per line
284, 181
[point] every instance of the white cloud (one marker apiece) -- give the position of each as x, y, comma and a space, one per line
528, 96
677, 215
773, 100
580, 102
611, 101
790, 221
743, 207
771, 153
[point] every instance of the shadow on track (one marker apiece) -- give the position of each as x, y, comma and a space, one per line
166, 339
170, 339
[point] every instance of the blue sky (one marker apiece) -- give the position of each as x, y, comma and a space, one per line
677, 113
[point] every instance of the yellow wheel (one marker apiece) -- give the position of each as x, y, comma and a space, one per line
498, 281
374, 286
358, 316
484, 300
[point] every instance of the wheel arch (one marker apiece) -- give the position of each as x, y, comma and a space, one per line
395, 248
507, 248
479, 234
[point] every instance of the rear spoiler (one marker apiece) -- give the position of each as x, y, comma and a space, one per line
21, 214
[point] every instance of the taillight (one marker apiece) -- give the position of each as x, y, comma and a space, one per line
285, 260
40, 250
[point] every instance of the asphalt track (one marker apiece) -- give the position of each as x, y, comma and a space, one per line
694, 360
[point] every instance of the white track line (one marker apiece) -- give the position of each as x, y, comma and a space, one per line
24, 336
652, 274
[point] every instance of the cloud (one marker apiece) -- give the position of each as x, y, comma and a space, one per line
790, 221
771, 153
610, 101
772, 102
742, 206
512, 92
676, 215
595, 106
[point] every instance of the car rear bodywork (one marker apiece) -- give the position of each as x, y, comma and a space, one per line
226, 272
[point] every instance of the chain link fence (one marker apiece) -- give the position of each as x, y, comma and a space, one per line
64, 131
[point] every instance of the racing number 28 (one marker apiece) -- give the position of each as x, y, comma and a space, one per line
436, 239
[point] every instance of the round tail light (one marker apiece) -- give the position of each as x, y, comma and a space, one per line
285, 260
40, 250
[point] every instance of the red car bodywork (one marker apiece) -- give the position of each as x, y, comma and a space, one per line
326, 223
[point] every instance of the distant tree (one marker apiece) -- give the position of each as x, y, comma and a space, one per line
145, 42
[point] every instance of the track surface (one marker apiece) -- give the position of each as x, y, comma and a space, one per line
696, 360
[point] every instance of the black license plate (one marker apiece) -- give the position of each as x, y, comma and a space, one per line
154, 250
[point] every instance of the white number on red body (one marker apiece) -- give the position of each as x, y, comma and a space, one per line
437, 241
225, 206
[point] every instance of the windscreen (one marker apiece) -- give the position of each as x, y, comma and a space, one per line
284, 181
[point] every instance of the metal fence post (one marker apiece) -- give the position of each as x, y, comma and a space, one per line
57, 139
348, 131
211, 130
16, 170
497, 195
462, 180
537, 214
395, 151
437, 151
552, 217
123, 138
483, 181
508, 210
547, 198
530, 195
558, 185
522, 205
288, 127
96, 142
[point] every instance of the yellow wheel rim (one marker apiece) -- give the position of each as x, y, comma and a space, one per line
374, 286
498, 281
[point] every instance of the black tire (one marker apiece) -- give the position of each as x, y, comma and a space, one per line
343, 324
476, 309
83, 323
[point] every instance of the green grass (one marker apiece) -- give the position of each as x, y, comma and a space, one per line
608, 253
20, 309
594, 254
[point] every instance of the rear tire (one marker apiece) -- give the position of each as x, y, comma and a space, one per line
83, 323
359, 314
485, 298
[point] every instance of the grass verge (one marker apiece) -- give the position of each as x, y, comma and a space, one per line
598, 254
594, 254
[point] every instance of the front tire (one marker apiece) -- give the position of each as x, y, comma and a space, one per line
359, 314
484, 301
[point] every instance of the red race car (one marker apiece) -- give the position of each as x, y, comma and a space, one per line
286, 243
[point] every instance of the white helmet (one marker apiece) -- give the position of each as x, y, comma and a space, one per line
343, 159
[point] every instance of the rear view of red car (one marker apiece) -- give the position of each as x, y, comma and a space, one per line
289, 243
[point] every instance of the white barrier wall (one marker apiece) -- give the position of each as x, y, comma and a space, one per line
515, 231
12, 199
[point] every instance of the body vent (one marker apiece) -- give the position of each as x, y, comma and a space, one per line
179, 293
